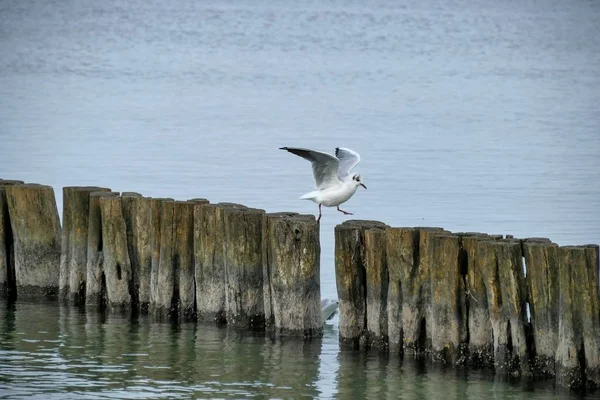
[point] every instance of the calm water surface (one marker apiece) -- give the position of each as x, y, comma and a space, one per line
52, 352
471, 115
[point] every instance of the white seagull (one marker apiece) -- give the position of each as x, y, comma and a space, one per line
333, 181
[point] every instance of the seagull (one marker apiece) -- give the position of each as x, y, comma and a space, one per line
333, 181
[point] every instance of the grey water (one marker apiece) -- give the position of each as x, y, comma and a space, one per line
471, 115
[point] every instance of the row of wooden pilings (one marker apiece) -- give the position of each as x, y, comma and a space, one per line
521, 306
178, 259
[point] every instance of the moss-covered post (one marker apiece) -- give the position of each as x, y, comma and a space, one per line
590, 313
479, 326
502, 270
36, 233
447, 289
184, 258
350, 277
578, 351
292, 274
7, 256
415, 275
541, 258
116, 265
244, 267
376, 283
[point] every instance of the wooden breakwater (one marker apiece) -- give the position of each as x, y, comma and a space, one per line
184, 260
520, 306
526, 307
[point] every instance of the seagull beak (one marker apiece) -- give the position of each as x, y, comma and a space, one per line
363, 185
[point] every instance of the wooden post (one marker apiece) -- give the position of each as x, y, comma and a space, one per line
209, 259
127, 206
502, 270
478, 320
36, 233
175, 287
95, 283
156, 210
164, 302
415, 275
541, 258
117, 265
447, 289
74, 243
376, 283
137, 212
590, 313
7, 256
292, 274
65, 253
578, 352
351, 279
244, 267
184, 259
402, 250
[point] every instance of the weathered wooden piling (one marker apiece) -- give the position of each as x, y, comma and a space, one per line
243, 240
351, 279
36, 234
541, 259
137, 213
175, 289
74, 242
502, 271
291, 274
95, 283
578, 352
156, 210
209, 257
376, 282
127, 208
402, 252
163, 301
478, 326
184, 259
415, 275
116, 262
448, 311
7, 260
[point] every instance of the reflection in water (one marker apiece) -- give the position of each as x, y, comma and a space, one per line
51, 351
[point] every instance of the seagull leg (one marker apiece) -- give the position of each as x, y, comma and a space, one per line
318, 219
345, 212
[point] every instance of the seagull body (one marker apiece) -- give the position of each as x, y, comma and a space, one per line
333, 180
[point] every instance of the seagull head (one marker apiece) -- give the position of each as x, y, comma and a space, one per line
358, 180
